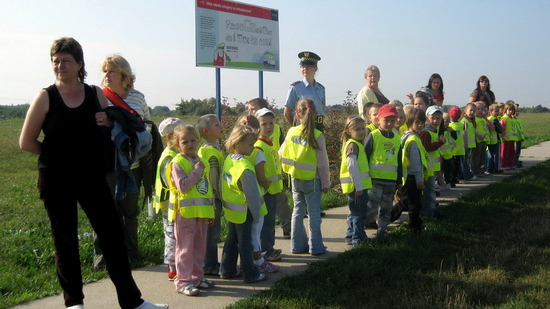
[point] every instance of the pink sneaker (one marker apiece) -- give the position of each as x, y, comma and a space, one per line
268, 267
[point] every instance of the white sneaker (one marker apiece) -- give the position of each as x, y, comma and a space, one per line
148, 305
76, 307
189, 290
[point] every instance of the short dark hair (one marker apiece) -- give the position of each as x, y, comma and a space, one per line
71, 47
415, 114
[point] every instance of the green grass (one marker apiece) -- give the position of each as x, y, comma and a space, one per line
27, 269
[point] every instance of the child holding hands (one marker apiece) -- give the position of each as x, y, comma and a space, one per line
192, 191
304, 158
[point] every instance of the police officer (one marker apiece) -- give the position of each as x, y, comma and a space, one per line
308, 87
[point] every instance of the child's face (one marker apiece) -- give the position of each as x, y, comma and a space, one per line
253, 108
480, 110
400, 118
215, 129
373, 115
246, 146
358, 132
387, 123
188, 143
495, 112
510, 112
418, 126
434, 120
419, 103
267, 125
446, 121
470, 112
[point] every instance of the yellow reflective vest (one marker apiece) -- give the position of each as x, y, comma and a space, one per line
459, 129
510, 129
483, 129
235, 206
521, 134
362, 163
298, 158
272, 165
493, 135
470, 132
198, 201
435, 156
161, 200
276, 137
383, 163
424, 156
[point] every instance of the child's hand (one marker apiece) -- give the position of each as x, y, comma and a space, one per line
210, 222
200, 165
442, 139
325, 190
358, 193
420, 185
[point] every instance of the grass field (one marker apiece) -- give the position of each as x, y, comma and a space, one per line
26, 258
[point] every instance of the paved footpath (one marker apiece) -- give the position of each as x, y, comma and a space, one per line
155, 286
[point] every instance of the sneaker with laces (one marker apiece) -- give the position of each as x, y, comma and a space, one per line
189, 290
206, 284
268, 267
148, 305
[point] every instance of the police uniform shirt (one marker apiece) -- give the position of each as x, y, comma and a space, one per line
302, 89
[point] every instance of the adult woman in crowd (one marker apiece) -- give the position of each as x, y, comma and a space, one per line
371, 92
118, 86
435, 87
308, 87
71, 170
483, 91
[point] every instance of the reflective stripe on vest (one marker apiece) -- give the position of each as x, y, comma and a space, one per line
424, 157
383, 161
348, 185
435, 156
460, 148
272, 166
161, 200
470, 132
298, 158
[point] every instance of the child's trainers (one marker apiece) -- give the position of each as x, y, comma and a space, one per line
172, 275
268, 267
189, 290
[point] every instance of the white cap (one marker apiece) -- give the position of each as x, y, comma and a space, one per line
264, 111
168, 125
434, 108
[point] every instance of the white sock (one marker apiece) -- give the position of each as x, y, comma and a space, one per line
259, 262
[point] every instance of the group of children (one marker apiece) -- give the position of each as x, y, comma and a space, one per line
410, 153
391, 150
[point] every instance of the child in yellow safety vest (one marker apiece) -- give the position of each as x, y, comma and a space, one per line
192, 191
432, 141
469, 124
161, 200
304, 157
211, 130
493, 164
479, 153
383, 150
448, 151
509, 137
355, 178
243, 205
417, 167
521, 136
455, 114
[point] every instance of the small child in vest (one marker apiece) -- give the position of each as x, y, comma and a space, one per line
521, 135
416, 166
211, 130
282, 209
304, 157
468, 122
243, 205
479, 153
161, 200
366, 110
383, 150
432, 141
448, 151
355, 178
372, 117
259, 159
455, 114
493, 164
189, 182
509, 137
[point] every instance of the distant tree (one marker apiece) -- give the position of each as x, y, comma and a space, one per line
350, 103
196, 107
162, 111
13, 111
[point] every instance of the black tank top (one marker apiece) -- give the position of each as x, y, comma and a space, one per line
73, 142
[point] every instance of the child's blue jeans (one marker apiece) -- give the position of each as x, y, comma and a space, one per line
306, 195
358, 206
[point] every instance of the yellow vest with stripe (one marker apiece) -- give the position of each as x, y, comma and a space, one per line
276, 137
298, 158
521, 134
424, 157
511, 131
161, 200
235, 206
447, 150
207, 151
482, 128
404, 128
198, 201
362, 163
371, 127
383, 161
434, 155
272, 166
459, 129
493, 135
470, 132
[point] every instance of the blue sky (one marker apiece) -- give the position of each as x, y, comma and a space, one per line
408, 40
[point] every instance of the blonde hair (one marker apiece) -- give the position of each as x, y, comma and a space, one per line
492, 107
306, 109
247, 119
238, 134
508, 106
205, 121
119, 64
180, 131
351, 122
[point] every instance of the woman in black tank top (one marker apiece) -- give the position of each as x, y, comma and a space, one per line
71, 172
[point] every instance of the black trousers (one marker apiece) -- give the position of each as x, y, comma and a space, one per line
414, 196
61, 191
